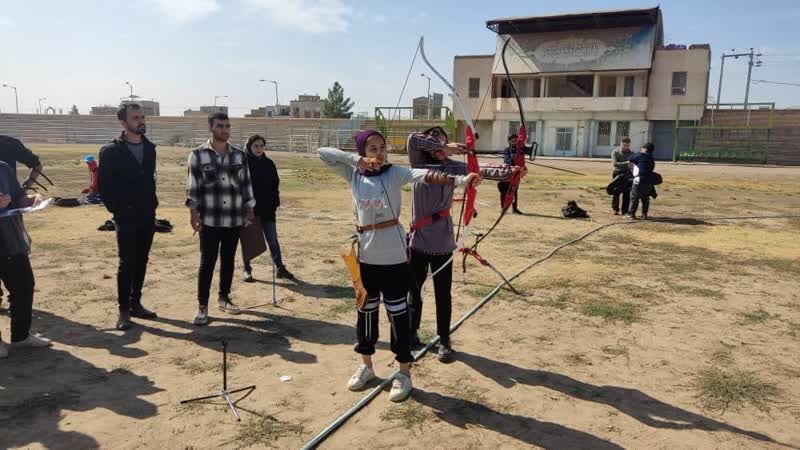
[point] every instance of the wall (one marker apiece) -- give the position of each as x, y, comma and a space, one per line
783, 146
662, 105
281, 134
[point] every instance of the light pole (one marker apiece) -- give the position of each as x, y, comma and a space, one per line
131, 86
218, 96
16, 98
276, 95
429, 94
40, 104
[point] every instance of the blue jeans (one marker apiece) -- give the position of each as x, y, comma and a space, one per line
271, 235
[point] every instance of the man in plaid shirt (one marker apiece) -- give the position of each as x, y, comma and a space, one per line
220, 201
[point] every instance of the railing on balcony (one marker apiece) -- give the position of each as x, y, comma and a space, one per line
545, 104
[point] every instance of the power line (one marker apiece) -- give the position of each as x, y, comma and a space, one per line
775, 82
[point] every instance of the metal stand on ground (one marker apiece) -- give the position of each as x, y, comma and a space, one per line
225, 393
274, 298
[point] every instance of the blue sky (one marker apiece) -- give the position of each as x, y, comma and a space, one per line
184, 52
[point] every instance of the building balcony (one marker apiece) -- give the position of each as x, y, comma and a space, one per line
589, 104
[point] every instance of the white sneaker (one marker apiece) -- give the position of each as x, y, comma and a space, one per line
3, 350
401, 388
360, 379
202, 316
227, 306
33, 340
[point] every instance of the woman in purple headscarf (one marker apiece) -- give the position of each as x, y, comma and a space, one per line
382, 254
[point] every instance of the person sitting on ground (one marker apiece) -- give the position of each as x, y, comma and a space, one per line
376, 193
642, 164
264, 177
619, 162
15, 265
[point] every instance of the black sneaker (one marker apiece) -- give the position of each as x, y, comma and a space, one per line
284, 273
140, 312
630, 217
247, 276
516, 211
124, 321
445, 354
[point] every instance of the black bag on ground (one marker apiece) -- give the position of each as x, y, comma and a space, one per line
66, 202
573, 211
163, 226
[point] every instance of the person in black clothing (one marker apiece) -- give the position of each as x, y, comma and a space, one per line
127, 181
642, 164
15, 265
504, 186
265, 181
13, 151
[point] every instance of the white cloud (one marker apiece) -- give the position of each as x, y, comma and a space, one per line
6, 21
186, 10
313, 16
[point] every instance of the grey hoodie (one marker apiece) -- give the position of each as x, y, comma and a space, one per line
437, 238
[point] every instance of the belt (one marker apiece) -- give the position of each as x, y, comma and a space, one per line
377, 226
425, 221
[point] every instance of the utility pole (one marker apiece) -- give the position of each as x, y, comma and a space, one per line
749, 72
131, 86
750, 54
39, 111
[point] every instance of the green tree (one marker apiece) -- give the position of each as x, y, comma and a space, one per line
74, 111
336, 105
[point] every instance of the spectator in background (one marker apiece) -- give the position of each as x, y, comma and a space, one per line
264, 177
220, 201
621, 168
643, 165
127, 182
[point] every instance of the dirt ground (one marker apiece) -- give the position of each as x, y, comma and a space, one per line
620, 340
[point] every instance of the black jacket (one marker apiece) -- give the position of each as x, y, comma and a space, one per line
128, 189
264, 177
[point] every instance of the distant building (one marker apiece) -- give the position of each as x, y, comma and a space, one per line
306, 107
150, 107
205, 111
420, 105
104, 110
270, 111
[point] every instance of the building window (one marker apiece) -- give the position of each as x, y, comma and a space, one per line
608, 86
629, 83
604, 133
530, 129
678, 83
474, 87
563, 139
623, 130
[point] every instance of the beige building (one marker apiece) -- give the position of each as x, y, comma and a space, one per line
585, 81
306, 107
205, 111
